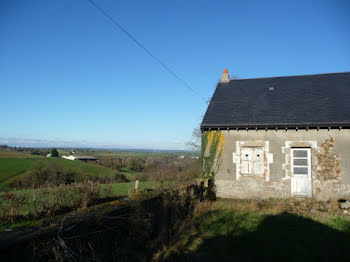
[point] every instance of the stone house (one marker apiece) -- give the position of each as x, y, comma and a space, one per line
279, 137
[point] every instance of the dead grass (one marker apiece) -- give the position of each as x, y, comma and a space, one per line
111, 231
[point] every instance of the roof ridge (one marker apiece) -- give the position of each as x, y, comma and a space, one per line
253, 78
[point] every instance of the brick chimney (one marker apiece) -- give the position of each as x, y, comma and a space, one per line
224, 76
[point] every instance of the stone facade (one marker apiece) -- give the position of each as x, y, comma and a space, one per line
251, 188
330, 163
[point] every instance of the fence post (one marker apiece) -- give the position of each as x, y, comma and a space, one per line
136, 186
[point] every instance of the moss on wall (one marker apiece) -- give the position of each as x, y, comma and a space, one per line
211, 153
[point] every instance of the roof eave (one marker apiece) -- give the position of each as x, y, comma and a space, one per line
274, 126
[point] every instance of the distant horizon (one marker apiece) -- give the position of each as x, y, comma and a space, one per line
76, 145
112, 149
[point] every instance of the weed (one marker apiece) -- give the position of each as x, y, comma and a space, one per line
10, 204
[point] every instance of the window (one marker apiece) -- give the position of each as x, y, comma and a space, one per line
301, 161
252, 161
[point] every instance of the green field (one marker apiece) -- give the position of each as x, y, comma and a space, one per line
12, 154
13, 168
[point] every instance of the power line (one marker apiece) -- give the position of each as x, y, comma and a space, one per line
146, 50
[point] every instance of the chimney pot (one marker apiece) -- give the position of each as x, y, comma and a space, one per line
224, 76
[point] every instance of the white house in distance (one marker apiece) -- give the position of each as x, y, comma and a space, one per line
81, 158
69, 157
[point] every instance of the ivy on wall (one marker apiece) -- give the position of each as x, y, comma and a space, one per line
211, 153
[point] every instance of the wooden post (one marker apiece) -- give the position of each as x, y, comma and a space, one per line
136, 186
206, 183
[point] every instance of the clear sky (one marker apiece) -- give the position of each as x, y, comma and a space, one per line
67, 76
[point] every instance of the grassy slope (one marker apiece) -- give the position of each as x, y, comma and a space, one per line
93, 169
236, 232
12, 168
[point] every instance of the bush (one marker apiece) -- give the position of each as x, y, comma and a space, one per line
54, 153
113, 163
134, 164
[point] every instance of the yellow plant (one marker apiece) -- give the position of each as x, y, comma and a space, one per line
211, 153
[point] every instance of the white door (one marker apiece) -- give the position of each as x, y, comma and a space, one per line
301, 172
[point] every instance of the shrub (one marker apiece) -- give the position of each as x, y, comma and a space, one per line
113, 163
54, 153
134, 163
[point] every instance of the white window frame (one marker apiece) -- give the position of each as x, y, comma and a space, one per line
308, 161
252, 161
236, 157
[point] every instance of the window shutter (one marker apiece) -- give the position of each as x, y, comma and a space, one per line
252, 161
246, 160
258, 161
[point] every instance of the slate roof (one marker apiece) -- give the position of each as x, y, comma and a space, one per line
320, 100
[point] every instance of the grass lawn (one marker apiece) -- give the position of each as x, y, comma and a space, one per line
229, 231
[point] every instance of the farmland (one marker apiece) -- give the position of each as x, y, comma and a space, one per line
13, 154
141, 165
13, 168
34, 186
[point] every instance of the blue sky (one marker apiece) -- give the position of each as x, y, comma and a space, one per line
68, 76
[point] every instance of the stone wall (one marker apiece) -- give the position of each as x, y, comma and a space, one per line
330, 157
324, 190
251, 188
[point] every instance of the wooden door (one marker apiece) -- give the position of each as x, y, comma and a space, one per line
301, 172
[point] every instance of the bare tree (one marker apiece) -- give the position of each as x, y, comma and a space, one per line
195, 142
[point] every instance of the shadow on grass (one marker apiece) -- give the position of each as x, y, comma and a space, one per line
283, 237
